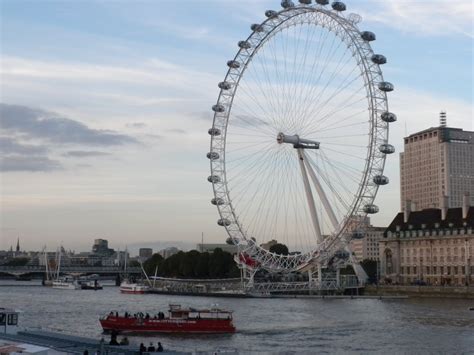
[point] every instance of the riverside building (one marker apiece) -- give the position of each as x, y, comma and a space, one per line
437, 162
432, 246
366, 246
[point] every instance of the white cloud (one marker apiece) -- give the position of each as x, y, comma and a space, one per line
151, 72
423, 17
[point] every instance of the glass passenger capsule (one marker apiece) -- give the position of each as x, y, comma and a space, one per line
359, 234
214, 179
271, 13
379, 59
386, 86
381, 180
231, 241
225, 85
286, 4
371, 209
387, 148
338, 6
257, 27
233, 64
217, 201
368, 36
305, 2
244, 45
218, 108
322, 2
223, 222
388, 117
214, 132
212, 155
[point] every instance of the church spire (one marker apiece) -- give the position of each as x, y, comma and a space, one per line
18, 245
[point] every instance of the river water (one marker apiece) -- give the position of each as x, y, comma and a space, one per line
317, 326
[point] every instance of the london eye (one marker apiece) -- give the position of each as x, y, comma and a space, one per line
300, 136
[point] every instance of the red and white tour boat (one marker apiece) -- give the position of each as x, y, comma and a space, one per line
179, 320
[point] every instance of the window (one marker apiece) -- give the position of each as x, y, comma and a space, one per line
12, 319
2, 318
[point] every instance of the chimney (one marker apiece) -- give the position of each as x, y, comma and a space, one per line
466, 203
406, 211
444, 207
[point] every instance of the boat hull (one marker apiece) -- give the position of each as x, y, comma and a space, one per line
132, 292
140, 326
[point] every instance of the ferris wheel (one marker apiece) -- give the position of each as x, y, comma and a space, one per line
300, 136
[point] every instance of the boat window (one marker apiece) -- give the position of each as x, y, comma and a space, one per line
12, 319
2, 318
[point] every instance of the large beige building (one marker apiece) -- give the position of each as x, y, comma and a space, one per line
433, 246
437, 162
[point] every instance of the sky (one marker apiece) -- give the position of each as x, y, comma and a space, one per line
105, 107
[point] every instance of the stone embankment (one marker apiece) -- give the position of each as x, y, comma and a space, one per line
421, 291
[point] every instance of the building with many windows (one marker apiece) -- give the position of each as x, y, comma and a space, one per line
437, 162
432, 246
366, 245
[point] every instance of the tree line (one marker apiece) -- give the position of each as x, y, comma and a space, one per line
193, 264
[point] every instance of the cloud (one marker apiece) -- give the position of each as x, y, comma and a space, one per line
136, 125
16, 156
84, 154
17, 163
37, 124
12, 146
176, 130
434, 17
153, 72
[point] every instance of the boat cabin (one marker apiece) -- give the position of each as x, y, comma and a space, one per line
176, 312
8, 321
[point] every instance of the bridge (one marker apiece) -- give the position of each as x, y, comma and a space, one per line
39, 271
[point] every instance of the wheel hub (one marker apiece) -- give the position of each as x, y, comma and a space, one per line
298, 143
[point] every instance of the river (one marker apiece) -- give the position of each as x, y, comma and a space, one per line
318, 326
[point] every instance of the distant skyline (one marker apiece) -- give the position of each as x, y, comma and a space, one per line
105, 107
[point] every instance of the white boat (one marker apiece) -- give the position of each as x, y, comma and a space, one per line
66, 285
133, 288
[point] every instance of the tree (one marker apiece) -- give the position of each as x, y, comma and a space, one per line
17, 262
194, 264
150, 265
202, 267
217, 264
189, 263
280, 249
133, 263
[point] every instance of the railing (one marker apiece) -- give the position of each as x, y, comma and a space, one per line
29, 268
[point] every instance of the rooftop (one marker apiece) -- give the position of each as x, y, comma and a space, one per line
432, 219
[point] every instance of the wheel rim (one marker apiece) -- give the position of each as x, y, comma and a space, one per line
253, 175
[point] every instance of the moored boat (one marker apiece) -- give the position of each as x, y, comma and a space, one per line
179, 320
133, 288
66, 284
90, 285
